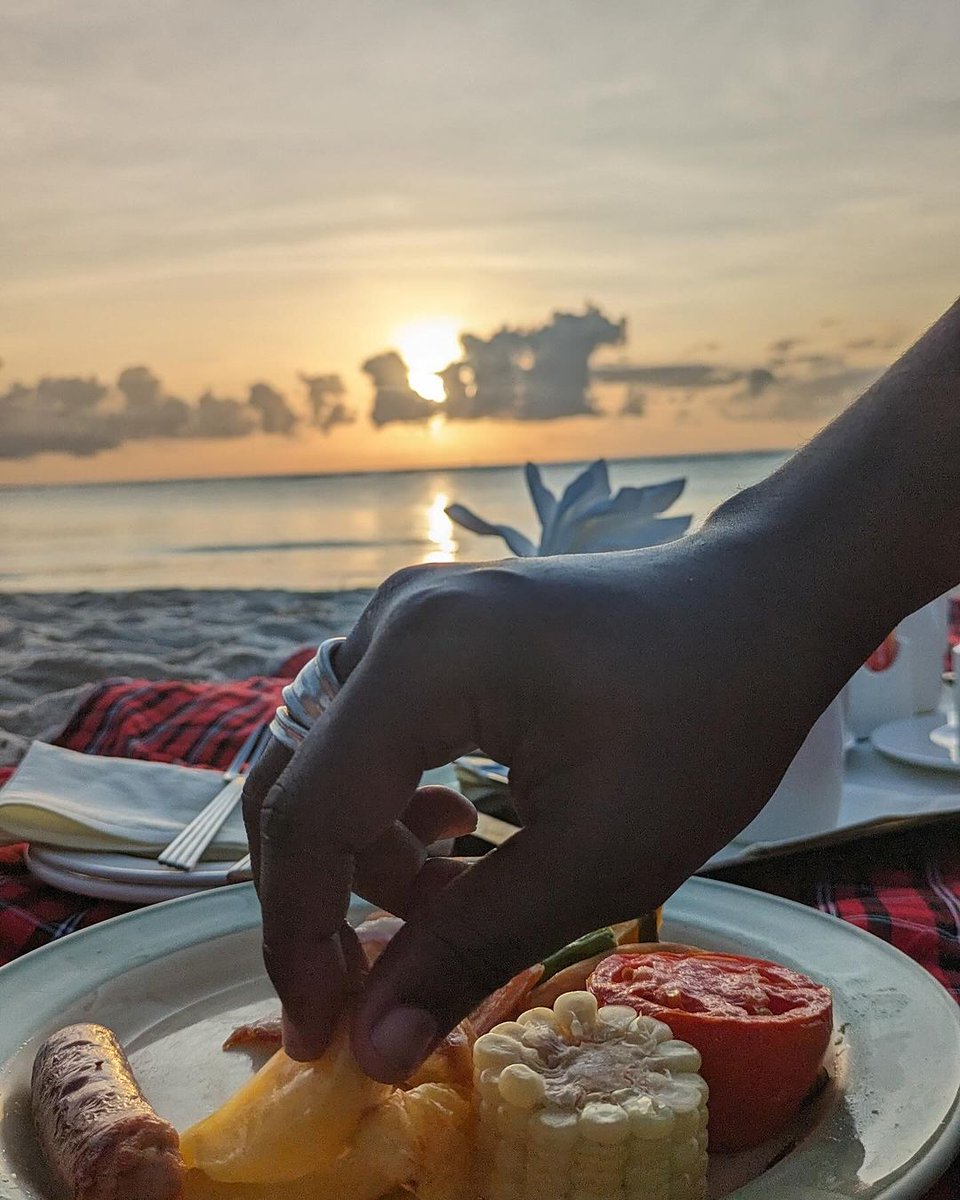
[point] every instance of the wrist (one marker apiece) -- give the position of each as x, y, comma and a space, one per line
867, 512
831, 597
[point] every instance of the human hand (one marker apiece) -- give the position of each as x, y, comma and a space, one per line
647, 705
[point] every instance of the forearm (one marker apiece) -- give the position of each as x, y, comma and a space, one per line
867, 515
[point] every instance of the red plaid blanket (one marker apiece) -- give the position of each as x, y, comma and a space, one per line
903, 887
192, 723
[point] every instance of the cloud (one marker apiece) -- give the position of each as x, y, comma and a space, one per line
70, 396
542, 372
804, 387
813, 397
276, 415
148, 412
670, 375
394, 399
33, 420
495, 368
890, 342
327, 409
536, 374
557, 383
83, 416
55, 414
759, 380
220, 417
785, 345
818, 362
635, 404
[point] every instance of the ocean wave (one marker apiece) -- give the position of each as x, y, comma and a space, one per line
317, 544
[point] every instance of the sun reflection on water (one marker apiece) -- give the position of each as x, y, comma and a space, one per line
440, 531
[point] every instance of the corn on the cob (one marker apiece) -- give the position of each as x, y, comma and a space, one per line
441, 1120
581, 1103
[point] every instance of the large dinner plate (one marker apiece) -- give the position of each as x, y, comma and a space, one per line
173, 980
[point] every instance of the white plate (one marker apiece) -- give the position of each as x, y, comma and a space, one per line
946, 735
173, 980
119, 876
909, 741
122, 877
135, 879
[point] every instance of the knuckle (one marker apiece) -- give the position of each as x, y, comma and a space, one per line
275, 823
250, 808
277, 966
448, 606
392, 605
292, 832
501, 586
407, 577
258, 783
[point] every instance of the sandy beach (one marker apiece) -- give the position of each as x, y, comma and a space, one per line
54, 645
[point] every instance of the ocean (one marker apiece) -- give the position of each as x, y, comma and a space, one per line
316, 533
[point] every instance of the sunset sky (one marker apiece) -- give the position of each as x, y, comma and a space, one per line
232, 192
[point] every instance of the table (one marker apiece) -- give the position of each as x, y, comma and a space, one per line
903, 886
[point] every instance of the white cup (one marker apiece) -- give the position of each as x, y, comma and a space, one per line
926, 633
807, 802
872, 698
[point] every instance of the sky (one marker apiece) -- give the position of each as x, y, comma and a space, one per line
204, 203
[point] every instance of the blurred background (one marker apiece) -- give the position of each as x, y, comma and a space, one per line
255, 256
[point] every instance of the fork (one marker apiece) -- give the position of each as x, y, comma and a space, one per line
187, 848
241, 871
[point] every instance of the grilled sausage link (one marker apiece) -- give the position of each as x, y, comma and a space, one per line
96, 1130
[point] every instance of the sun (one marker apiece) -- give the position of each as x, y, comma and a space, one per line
427, 346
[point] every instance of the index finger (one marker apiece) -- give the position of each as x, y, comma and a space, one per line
327, 808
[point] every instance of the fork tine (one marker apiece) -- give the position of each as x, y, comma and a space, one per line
246, 749
186, 849
259, 746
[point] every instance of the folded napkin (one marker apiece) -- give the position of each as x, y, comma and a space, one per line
126, 805
87, 802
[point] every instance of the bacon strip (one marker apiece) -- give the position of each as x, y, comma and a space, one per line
266, 1032
502, 1004
96, 1130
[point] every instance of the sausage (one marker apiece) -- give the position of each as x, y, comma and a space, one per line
96, 1130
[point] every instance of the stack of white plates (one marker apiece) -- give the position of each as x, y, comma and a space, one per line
123, 877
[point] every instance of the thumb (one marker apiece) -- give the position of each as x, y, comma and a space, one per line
537, 892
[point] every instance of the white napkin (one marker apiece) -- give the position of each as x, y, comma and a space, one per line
87, 802
126, 805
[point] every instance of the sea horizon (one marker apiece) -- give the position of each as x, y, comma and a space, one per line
317, 532
294, 476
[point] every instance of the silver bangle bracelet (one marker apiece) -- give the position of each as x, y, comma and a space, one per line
307, 697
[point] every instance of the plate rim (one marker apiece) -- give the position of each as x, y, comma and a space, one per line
151, 872
119, 891
220, 912
922, 761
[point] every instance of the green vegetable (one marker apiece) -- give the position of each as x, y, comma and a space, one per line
644, 929
584, 947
